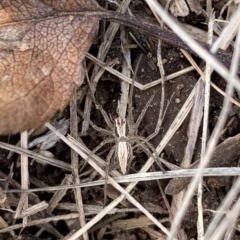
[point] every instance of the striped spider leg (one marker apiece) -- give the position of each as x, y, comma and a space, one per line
141, 142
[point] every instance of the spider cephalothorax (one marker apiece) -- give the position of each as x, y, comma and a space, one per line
124, 148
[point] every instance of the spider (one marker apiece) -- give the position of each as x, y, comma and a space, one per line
125, 141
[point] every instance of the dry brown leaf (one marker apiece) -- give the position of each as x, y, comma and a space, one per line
40, 59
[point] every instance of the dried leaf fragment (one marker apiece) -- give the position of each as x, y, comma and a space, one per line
224, 154
40, 59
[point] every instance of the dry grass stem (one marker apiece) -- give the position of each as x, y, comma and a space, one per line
126, 71
34, 209
75, 162
40, 221
136, 84
24, 178
197, 68
45, 160
58, 195
150, 176
207, 77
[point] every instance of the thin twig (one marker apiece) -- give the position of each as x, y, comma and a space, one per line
75, 162
208, 172
24, 177
208, 71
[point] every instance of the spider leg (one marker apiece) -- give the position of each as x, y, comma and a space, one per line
109, 156
155, 155
131, 122
99, 129
159, 122
133, 127
109, 140
140, 117
145, 146
103, 112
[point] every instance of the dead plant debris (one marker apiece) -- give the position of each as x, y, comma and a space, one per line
42, 61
